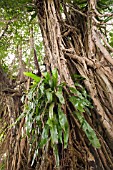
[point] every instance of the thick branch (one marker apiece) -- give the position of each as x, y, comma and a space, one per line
76, 10
101, 47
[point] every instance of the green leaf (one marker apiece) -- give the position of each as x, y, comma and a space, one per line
42, 88
80, 106
33, 76
51, 110
55, 77
62, 118
59, 94
47, 77
90, 133
55, 150
78, 77
66, 137
49, 95
50, 122
77, 103
59, 133
84, 93
73, 90
95, 142
54, 133
80, 117
30, 95
64, 125
79, 85
44, 136
76, 92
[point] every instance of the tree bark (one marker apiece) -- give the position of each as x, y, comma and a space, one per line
73, 45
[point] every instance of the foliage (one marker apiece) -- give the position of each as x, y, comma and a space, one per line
81, 102
44, 113
16, 20
2, 166
46, 121
111, 38
5, 67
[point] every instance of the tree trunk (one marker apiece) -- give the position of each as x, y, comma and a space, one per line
73, 44
10, 105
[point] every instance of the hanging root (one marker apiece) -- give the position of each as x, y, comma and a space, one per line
73, 45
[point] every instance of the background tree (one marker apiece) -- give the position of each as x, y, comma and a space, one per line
76, 42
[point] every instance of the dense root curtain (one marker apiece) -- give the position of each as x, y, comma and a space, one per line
74, 44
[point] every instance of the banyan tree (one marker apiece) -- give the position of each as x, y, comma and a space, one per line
64, 118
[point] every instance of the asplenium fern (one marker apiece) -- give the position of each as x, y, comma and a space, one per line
44, 109
45, 120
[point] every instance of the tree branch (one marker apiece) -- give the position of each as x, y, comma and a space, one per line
6, 28
77, 11
101, 47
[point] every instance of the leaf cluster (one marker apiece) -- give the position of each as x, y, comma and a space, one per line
44, 115
81, 102
45, 119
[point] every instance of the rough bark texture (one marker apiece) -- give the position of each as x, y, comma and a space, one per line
11, 109
74, 45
